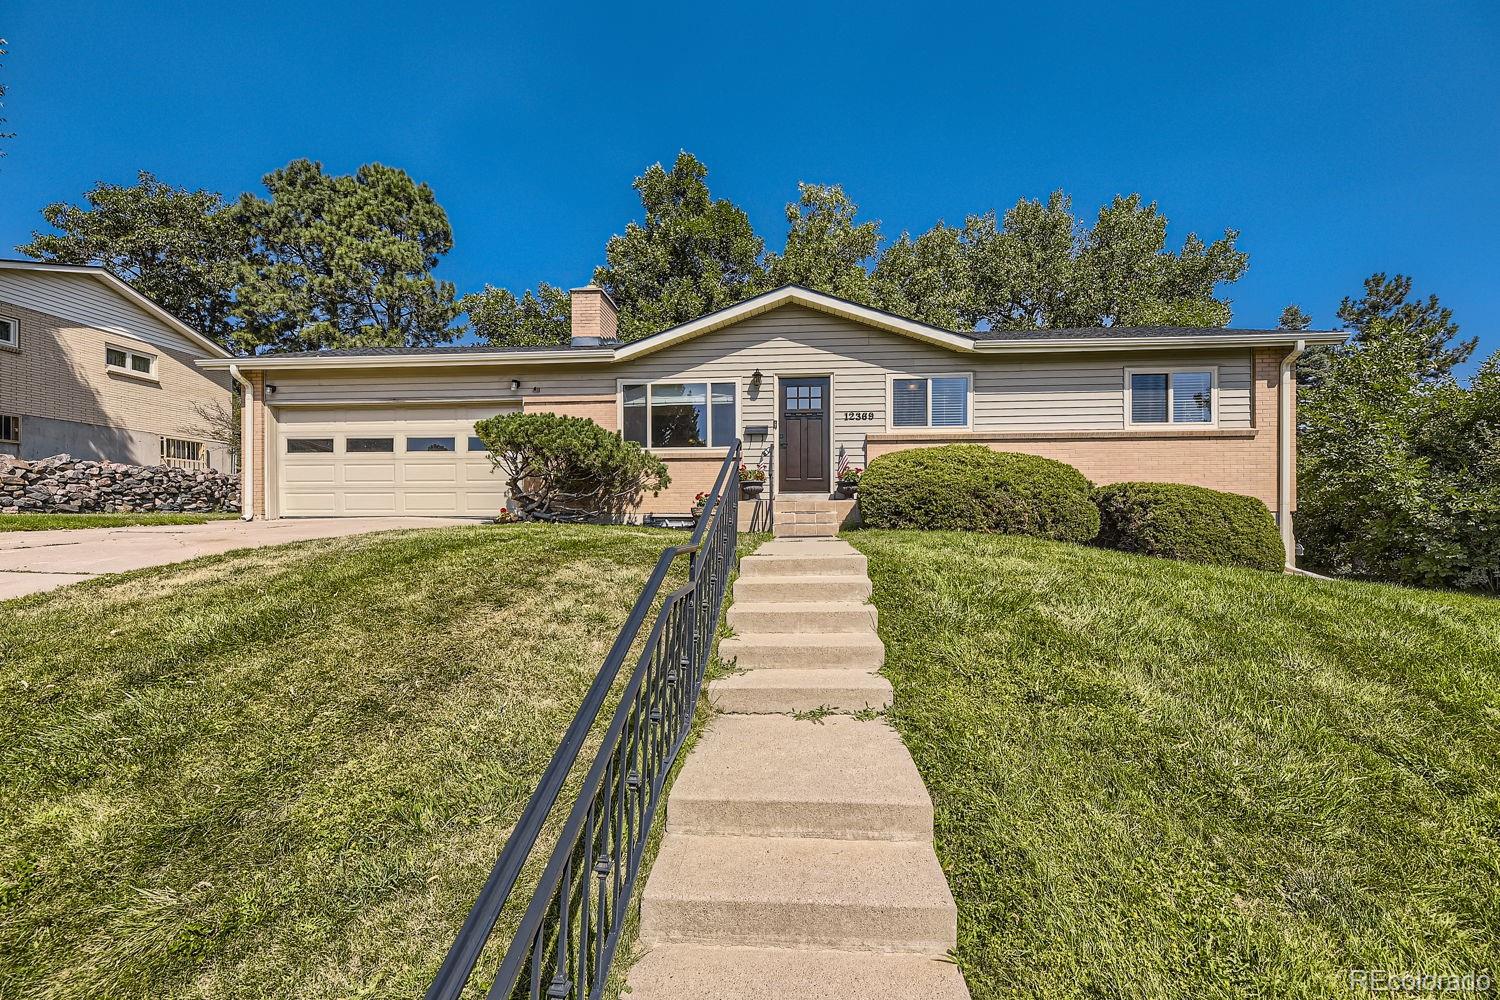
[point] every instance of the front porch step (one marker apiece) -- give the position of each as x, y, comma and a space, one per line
822, 562
681, 971
801, 589
775, 692
887, 896
836, 779
830, 616
789, 651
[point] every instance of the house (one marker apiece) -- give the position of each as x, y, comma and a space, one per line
92, 368
801, 376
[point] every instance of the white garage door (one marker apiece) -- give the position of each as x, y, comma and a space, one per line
367, 462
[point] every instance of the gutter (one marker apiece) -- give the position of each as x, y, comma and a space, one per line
247, 468
1286, 441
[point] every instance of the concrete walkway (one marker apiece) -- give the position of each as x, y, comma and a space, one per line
797, 860
33, 561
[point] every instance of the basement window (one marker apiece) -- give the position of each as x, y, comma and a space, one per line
10, 332
1172, 396
10, 428
128, 362
183, 454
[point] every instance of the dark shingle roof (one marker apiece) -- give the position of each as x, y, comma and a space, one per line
379, 352
1123, 333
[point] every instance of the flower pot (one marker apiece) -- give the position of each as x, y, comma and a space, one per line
751, 489
846, 491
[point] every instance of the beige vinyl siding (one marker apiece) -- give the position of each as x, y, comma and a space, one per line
87, 301
436, 384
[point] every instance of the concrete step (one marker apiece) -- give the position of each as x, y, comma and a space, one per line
812, 564
801, 589
837, 778
828, 529
805, 546
805, 619
770, 692
684, 971
781, 651
793, 892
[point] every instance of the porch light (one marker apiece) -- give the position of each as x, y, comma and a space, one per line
755, 378
515, 385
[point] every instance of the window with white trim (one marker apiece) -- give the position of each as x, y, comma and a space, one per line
10, 332
130, 362
10, 428
1171, 396
680, 414
930, 401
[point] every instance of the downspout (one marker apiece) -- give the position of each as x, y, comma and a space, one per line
1286, 452
247, 445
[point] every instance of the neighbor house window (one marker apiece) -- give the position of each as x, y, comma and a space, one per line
930, 401
183, 454
132, 362
680, 414
429, 444
1171, 397
369, 445
10, 429
309, 446
10, 332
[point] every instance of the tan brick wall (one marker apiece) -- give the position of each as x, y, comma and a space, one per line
602, 410
253, 443
59, 373
1235, 461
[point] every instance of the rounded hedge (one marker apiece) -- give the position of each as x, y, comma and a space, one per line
965, 487
1189, 523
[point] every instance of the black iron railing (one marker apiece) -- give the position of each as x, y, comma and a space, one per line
571, 928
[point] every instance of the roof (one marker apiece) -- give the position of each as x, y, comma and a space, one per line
122, 287
973, 342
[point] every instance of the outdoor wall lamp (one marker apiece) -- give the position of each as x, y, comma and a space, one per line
515, 385
755, 378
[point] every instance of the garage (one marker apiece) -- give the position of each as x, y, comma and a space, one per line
366, 462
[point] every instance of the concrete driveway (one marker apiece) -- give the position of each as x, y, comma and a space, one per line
33, 561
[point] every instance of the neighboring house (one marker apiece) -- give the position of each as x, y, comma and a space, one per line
92, 368
389, 431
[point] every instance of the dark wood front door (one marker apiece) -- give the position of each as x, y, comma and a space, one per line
805, 427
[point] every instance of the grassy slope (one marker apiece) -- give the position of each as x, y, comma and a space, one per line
286, 772
1154, 779
51, 522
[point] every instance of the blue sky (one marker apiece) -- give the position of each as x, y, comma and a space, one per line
1339, 138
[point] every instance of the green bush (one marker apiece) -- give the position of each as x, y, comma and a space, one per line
967, 487
568, 468
1189, 523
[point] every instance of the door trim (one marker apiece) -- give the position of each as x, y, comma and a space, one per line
832, 411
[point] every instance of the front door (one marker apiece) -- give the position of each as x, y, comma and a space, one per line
805, 436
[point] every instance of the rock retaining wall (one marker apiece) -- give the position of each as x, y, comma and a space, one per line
65, 485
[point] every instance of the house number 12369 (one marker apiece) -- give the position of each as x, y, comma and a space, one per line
859, 414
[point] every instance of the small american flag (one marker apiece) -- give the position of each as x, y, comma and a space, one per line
843, 461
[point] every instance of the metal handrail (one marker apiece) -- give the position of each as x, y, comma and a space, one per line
571, 928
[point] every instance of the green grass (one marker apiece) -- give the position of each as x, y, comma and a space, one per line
1154, 779
285, 772
53, 522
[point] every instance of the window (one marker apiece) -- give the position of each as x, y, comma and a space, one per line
10, 429
930, 401
680, 414
429, 444
1171, 397
476, 445
309, 446
183, 454
132, 362
10, 332
367, 445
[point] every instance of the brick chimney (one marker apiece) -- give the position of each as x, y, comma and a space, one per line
595, 318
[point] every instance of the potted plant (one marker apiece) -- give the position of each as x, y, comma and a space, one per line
699, 502
752, 481
849, 483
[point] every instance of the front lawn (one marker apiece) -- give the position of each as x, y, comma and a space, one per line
1154, 779
285, 772
53, 522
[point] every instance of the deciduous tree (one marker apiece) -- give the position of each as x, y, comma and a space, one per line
826, 249
536, 319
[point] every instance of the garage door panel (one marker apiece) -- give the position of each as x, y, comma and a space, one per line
428, 471
362, 473
304, 472
369, 503
417, 502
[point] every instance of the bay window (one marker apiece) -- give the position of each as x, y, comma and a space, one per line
1170, 396
680, 414
930, 401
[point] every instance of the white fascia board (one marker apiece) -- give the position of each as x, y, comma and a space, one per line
1043, 345
512, 358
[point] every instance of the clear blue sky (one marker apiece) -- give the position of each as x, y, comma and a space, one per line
1339, 138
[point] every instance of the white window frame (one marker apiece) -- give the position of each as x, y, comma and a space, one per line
890, 403
708, 383
15, 423
13, 339
1171, 421
130, 355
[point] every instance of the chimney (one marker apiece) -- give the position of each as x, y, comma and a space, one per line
595, 318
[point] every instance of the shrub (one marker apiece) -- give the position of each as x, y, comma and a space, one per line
967, 487
568, 468
1189, 523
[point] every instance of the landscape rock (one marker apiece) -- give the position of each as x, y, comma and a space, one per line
63, 484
